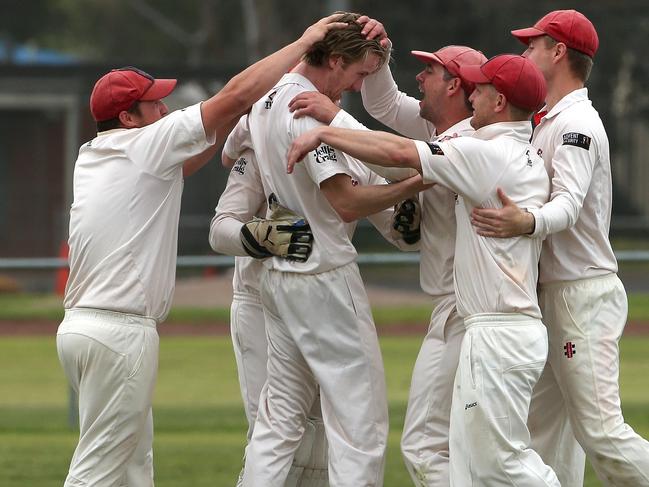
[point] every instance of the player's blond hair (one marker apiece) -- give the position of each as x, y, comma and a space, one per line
348, 43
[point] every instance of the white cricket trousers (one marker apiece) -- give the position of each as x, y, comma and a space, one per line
585, 320
111, 361
250, 350
424, 442
309, 468
320, 331
501, 359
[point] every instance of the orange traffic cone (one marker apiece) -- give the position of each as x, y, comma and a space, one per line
63, 272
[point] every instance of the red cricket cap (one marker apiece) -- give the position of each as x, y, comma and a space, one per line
514, 76
117, 90
453, 58
567, 26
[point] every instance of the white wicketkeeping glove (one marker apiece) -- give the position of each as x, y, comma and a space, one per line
283, 234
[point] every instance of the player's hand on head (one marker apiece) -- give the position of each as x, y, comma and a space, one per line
373, 29
301, 146
283, 234
314, 104
505, 222
406, 221
318, 31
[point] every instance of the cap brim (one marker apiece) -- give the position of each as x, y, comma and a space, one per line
160, 88
473, 74
427, 57
524, 35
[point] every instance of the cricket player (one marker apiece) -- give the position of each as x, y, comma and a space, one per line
583, 301
123, 237
505, 346
243, 193
318, 321
443, 112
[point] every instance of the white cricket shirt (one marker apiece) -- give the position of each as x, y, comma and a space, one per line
383, 100
242, 200
491, 275
124, 218
576, 221
272, 129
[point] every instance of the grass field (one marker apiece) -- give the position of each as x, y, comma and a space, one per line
200, 425
25, 307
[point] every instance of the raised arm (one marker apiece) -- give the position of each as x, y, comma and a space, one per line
222, 110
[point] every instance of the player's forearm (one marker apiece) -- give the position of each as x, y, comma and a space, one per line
380, 148
364, 201
193, 164
225, 236
555, 216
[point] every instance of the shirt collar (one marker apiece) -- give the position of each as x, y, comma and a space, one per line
576, 96
297, 79
521, 131
463, 127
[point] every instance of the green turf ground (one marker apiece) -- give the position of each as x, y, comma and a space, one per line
25, 307
200, 425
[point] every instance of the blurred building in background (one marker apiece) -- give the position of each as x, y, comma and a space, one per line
52, 52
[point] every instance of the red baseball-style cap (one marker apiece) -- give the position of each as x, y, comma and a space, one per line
117, 90
567, 26
514, 76
453, 58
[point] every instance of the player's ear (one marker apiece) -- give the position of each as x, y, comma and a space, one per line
560, 51
126, 119
501, 102
335, 61
454, 85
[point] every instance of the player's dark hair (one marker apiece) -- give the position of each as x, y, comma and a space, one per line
448, 76
580, 64
519, 114
114, 123
347, 42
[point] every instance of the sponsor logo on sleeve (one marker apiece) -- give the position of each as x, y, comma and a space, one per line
268, 103
325, 153
435, 149
578, 140
240, 166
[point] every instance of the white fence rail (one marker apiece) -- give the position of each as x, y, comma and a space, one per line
189, 261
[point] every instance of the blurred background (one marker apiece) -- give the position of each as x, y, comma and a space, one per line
52, 52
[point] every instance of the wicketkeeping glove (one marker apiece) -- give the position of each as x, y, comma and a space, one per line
283, 234
406, 221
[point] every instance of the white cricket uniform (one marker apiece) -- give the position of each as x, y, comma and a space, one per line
123, 240
424, 442
243, 193
318, 320
584, 306
505, 346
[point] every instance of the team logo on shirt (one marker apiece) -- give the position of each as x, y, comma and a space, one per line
268, 103
569, 349
577, 139
530, 163
436, 150
240, 166
325, 153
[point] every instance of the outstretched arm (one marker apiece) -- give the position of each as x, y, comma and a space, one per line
380, 148
222, 110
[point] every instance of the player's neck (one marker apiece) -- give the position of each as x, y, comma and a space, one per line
449, 118
559, 87
314, 74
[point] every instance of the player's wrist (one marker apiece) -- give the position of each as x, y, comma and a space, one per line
529, 222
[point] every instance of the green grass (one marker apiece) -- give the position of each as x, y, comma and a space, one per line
23, 307
200, 425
